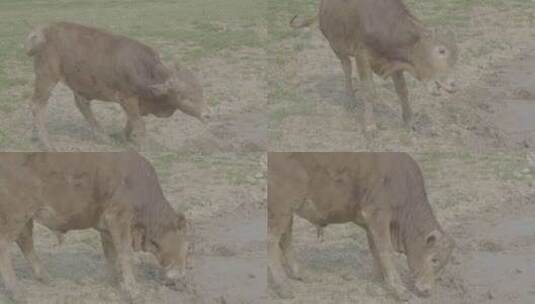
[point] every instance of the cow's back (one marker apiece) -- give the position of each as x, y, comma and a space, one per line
76, 187
381, 26
97, 64
341, 185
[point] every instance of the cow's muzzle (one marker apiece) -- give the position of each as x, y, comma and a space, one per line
175, 279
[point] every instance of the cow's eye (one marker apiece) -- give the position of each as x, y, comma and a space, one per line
434, 261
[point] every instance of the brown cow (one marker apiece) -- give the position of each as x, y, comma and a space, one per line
382, 192
384, 37
96, 64
118, 194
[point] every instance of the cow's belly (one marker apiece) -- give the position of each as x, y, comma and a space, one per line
323, 213
89, 87
63, 222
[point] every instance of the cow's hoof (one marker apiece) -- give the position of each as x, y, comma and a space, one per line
401, 293
102, 137
283, 291
133, 297
350, 106
17, 297
370, 130
47, 147
43, 278
299, 275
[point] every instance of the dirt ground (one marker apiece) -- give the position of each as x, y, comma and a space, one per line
223, 197
489, 214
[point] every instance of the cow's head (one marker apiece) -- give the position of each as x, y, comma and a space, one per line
183, 91
427, 255
168, 245
434, 58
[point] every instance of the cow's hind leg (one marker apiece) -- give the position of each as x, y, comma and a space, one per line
111, 255
379, 230
403, 94
46, 79
84, 106
345, 61
25, 242
135, 127
277, 275
8, 273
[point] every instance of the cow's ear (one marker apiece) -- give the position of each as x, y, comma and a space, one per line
138, 237
432, 238
180, 220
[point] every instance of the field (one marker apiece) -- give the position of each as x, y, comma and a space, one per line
485, 202
274, 88
226, 231
221, 41
491, 112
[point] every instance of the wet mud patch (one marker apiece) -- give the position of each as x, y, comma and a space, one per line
230, 257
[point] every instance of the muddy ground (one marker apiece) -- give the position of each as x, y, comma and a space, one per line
485, 205
223, 197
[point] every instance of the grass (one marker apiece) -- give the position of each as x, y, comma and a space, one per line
504, 167
236, 169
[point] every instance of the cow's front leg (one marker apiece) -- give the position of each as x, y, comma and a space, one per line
111, 255
403, 94
45, 80
118, 221
383, 251
368, 91
276, 273
25, 242
135, 127
8, 274
84, 106
345, 61
286, 243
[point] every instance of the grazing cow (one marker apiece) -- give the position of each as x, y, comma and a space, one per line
118, 194
384, 38
382, 192
96, 64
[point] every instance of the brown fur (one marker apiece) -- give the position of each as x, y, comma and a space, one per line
96, 64
382, 192
117, 194
383, 37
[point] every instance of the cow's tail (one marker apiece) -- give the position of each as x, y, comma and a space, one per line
34, 41
294, 23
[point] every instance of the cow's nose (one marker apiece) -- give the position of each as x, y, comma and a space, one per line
175, 279
423, 290
174, 274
